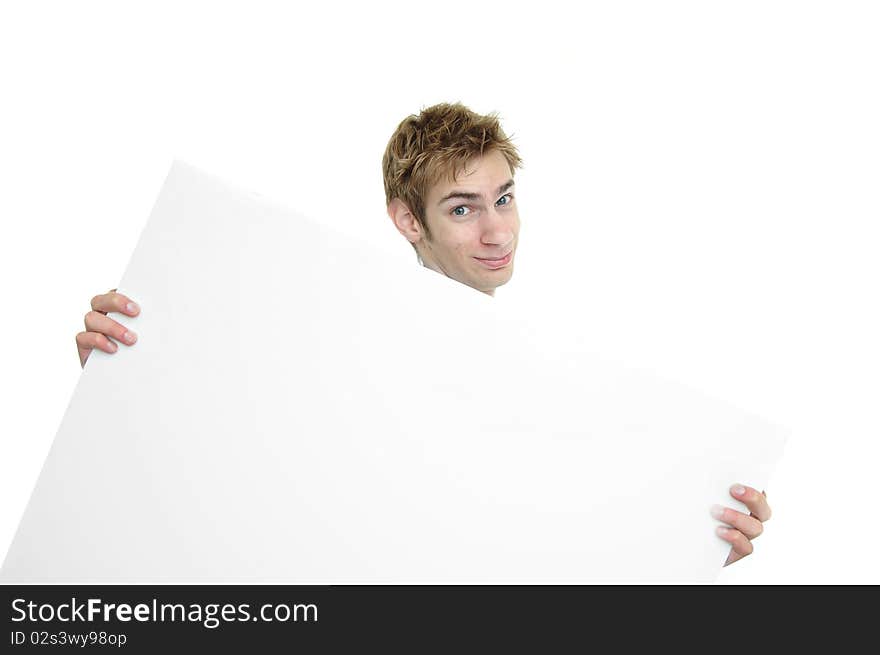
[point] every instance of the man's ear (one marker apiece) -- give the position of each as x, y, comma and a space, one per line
405, 221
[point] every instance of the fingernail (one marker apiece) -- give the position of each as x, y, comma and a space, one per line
717, 512
112, 345
738, 490
721, 531
132, 308
129, 337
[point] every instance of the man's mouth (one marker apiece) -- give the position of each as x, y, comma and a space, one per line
498, 262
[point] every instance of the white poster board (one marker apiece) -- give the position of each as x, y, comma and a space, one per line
301, 409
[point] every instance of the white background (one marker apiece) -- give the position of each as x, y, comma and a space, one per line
700, 193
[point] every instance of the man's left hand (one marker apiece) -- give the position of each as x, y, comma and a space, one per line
742, 527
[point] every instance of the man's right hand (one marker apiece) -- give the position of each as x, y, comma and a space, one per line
100, 327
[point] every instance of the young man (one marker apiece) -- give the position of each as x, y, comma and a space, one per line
449, 190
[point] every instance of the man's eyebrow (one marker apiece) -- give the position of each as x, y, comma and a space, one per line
504, 187
474, 196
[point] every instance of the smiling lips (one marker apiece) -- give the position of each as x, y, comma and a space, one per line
496, 263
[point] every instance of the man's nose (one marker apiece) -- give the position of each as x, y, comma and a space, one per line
497, 229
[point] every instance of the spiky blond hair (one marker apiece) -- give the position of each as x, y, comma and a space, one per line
437, 144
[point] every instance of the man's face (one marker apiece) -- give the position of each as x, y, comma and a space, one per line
474, 225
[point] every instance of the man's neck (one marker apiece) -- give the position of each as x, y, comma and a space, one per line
437, 269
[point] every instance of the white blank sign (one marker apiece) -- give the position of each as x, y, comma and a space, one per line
302, 408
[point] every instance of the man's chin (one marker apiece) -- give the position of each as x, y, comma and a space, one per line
496, 279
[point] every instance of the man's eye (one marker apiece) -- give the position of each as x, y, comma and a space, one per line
507, 199
456, 211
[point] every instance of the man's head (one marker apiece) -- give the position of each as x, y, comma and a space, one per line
449, 187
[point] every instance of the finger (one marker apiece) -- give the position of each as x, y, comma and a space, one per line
732, 557
755, 500
86, 341
115, 302
97, 322
740, 543
748, 525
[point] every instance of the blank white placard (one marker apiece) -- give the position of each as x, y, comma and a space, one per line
301, 408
